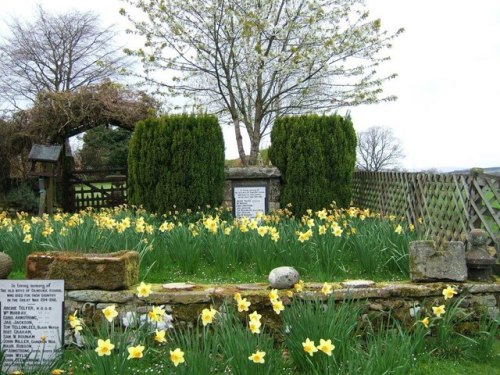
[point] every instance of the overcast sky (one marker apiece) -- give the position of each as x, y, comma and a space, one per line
448, 88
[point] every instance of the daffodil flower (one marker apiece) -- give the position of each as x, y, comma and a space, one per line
104, 347
243, 305
438, 310
326, 346
177, 356
160, 336
449, 292
135, 352
110, 313
207, 316
257, 357
143, 290
309, 347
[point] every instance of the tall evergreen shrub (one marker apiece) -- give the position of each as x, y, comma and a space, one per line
316, 157
176, 160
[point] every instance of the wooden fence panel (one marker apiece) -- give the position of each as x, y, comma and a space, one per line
445, 206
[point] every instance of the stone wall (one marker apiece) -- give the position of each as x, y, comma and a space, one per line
185, 302
253, 176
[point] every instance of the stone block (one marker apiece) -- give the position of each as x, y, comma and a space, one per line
111, 271
428, 263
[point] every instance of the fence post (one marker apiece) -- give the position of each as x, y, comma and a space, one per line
475, 198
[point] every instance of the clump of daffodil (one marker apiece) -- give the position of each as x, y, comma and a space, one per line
399, 229
309, 347
257, 357
177, 356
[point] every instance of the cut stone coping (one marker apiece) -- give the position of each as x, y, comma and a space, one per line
179, 286
207, 293
236, 173
357, 283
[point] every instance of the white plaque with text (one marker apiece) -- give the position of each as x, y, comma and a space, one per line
249, 200
31, 322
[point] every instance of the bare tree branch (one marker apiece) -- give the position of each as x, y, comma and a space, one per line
378, 149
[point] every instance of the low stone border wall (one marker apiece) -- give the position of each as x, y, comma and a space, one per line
400, 299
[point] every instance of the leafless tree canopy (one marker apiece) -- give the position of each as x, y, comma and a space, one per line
55, 53
378, 149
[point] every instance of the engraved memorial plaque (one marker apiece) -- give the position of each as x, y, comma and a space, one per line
31, 322
249, 200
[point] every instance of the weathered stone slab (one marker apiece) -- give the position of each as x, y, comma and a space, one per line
111, 271
178, 286
428, 263
283, 277
357, 283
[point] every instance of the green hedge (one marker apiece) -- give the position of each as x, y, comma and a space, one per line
176, 160
316, 157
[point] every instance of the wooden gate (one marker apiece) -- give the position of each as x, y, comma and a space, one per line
98, 188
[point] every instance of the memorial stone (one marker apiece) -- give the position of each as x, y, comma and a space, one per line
31, 322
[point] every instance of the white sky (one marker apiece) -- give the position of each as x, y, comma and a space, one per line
448, 88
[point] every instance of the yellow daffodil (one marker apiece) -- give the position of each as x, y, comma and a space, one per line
275, 237
57, 371
17, 372
237, 296
326, 346
104, 347
326, 289
135, 352
438, 310
449, 292
177, 356
337, 231
321, 230
254, 326
273, 295
255, 316
243, 228
425, 322
74, 322
262, 231
110, 313
227, 231
27, 238
207, 316
321, 214
160, 336
309, 347
299, 286
143, 290
399, 229
156, 314
278, 306
257, 357
411, 227
243, 305
289, 293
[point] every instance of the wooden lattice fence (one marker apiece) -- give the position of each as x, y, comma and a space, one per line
445, 206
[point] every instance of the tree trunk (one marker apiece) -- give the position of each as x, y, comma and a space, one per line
254, 144
239, 141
